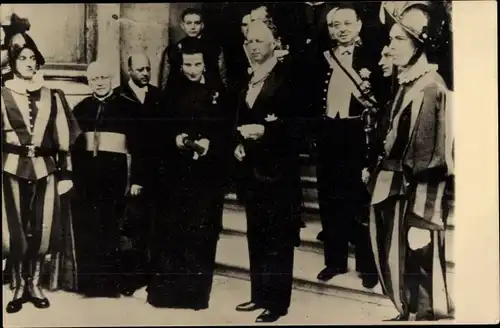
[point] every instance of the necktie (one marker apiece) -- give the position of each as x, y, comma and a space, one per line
33, 97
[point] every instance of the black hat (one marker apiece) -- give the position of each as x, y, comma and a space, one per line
18, 43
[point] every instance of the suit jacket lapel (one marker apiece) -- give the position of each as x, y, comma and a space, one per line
129, 93
272, 82
355, 59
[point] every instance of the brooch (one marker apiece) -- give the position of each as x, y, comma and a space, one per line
270, 118
215, 95
365, 73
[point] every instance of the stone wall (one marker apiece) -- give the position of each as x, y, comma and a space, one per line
144, 28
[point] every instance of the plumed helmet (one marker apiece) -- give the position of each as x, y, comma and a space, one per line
412, 16
428, 22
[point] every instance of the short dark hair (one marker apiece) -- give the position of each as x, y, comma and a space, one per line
129, 61
190, 46
191, 11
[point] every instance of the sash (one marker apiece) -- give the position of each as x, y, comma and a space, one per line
363, 98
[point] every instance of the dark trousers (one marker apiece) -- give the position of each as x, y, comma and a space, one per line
136, 233
343, 198
271, 249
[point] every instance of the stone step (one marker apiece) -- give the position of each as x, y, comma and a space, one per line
233, 261
311, 207
234, 223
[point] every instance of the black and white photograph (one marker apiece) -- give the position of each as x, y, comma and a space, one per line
241, 163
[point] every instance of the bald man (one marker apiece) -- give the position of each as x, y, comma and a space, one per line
106, 169
144, 98
138, 87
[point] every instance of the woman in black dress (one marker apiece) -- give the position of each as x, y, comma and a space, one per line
191, 168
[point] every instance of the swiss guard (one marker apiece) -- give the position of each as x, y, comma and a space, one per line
38, 130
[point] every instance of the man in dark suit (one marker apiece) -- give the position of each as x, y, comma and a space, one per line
145, 98
344, 81
268, 159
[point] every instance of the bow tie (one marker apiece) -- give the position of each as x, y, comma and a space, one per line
345, 51
34, 95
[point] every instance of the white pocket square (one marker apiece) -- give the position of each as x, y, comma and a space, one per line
271, 118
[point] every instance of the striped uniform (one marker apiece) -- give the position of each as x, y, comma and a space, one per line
412, 187
30, 202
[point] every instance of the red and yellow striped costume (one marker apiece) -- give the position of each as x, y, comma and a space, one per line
32, 224
412, 187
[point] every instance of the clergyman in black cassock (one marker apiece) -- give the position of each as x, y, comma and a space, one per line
190, 204
269, 162
105, 171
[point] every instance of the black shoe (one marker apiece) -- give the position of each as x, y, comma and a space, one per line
248, 307
41, 303
320, 236
128, 292
400, 317
270, 316
15, 305
329, 272
369, 280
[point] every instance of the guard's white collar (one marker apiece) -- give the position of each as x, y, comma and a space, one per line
21, 86
417, 70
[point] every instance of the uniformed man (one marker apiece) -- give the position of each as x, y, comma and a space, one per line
192, 23
37, 130
342, 85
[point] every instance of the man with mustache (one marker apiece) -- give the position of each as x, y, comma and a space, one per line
343, 83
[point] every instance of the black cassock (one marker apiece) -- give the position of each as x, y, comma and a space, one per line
271, 186
101, 180
190, 196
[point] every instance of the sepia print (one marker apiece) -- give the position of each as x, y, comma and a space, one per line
238, 163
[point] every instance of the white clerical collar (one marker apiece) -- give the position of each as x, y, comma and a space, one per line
417, 70
315, 3
261, 70
21, 86
136, 88
103, 97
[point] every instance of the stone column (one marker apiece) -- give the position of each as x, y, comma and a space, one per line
144, 28
108, 41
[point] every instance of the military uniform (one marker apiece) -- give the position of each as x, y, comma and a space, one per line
334, 123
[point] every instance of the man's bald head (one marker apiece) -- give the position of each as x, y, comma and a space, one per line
139, 68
